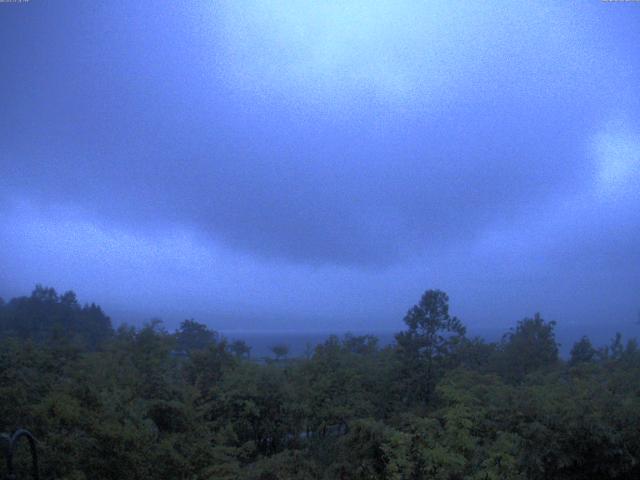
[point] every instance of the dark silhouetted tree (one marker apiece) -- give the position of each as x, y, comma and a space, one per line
530, 347
582, 352
280, 351
429, 343
240, 349
46, 316
193, 335
360, 344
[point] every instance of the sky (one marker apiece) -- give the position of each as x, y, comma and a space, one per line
317, 165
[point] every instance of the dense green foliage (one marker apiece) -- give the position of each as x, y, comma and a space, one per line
145, 403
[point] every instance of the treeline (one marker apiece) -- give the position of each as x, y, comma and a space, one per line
146, 403
46, 316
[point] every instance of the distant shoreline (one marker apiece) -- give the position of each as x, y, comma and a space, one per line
261, 341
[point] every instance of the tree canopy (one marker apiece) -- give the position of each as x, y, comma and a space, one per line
145, 403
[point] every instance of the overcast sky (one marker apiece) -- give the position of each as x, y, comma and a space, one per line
317, 165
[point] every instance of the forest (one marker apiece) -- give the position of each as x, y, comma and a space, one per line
146, 403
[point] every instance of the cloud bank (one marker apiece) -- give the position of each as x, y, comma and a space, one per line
318, 166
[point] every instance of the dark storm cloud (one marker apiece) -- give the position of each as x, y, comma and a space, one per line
347, 136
